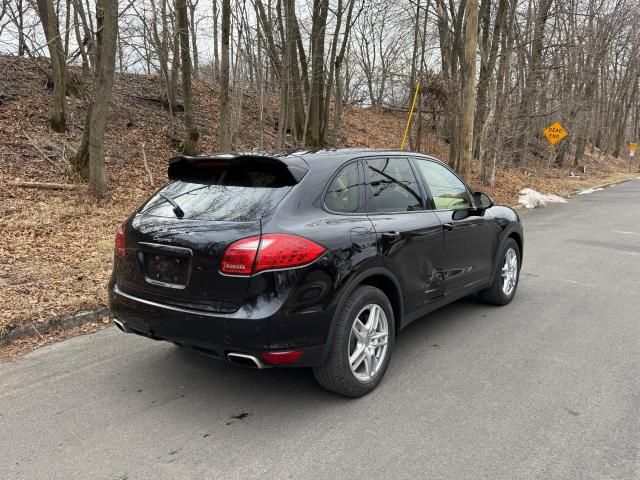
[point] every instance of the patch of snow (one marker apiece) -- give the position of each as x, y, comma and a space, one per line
530, 198
589, 190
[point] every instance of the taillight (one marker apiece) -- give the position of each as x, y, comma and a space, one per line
279, 250
120, 241
275, 251
239, 257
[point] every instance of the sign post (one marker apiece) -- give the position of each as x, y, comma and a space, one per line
632, 153
554, 133
413, 104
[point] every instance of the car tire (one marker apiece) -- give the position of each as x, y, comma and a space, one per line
505, 281
353, 340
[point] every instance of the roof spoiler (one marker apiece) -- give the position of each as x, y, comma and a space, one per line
182, 165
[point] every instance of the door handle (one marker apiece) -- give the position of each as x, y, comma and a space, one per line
391, 236
447, 226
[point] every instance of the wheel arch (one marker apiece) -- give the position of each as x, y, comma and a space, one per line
380, 278
391, 289
518, 239
514, 234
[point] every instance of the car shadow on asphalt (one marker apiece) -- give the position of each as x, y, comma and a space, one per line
177, 369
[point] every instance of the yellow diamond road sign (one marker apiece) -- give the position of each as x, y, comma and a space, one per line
633, 147
555, 132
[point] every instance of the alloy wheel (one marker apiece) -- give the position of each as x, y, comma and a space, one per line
368, 342
509, 272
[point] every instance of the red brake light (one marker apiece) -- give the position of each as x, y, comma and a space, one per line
279, 250
275, 251
281, 358
120, 241
239, 257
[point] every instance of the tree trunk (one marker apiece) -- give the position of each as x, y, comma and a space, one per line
79, 40
193, 5
332, 70
499, 95
315, 136
216, 56
295, 85
413, 81
172, 85
531, 87
49, 19
20, 14
337, 117
449, 53
190, 145
469, 90
487, 66
91, 150
224, 140
88, 41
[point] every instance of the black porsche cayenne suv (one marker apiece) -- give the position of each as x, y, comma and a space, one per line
308, 258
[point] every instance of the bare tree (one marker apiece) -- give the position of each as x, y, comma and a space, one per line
193, 29
539, 61
190, 144
224, 137
89, 160
469, 93
49, 19
533, 78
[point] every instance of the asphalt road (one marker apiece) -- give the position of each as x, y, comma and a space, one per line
547, 387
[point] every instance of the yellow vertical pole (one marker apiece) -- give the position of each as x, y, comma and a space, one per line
413, 104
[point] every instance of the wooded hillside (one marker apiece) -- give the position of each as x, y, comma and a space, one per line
487, 76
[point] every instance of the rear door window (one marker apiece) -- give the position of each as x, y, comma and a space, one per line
392, 186
345, 190
236, 193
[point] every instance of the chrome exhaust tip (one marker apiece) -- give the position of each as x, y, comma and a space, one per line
120, 325
245, 360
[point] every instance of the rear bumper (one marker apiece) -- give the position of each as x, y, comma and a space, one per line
217, 335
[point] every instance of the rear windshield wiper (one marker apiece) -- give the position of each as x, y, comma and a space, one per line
176, 208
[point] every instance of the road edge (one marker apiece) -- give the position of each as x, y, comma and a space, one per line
67, 322
519, 206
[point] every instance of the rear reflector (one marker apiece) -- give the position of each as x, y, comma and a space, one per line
120, 241
281, 358
274, 251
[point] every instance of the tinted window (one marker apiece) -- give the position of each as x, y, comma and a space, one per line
344, 191
447, 190
204, 201
240, 172
213, 190
393, 186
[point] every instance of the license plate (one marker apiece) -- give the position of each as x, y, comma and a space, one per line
167, 268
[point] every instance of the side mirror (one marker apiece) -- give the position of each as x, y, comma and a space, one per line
483, 201
461, 214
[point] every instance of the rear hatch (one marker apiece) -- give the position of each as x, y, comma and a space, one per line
176, 240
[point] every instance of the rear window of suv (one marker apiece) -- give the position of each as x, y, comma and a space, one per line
235, 193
